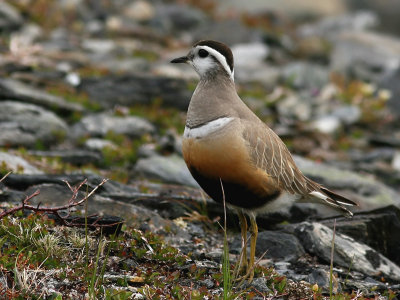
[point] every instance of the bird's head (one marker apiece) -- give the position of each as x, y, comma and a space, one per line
209, 58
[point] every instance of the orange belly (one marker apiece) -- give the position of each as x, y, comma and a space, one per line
225, 157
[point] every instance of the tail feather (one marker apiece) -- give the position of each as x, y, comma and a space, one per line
334, 200
338, 198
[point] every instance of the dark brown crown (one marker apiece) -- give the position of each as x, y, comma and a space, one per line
221, 48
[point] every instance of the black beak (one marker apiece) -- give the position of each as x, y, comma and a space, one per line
180, 60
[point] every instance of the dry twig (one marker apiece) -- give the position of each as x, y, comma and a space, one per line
72, 202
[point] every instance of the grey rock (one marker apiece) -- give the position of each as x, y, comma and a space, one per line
101, 46
128, 90
171, 142
222, 31
146, 150
122, 65
27, 124
177, 17
17, 164
98, 125
366, 55
303, 75
275, 245
317, 239
368, 192
10, 196
99, 144
386, 12
170, 169
208, 283
260, 284
331, 26
263, 73
73, 156
28, 34
379, 229
279, 246
391, 83
251, 54
59, 194
347, 114
294, 9
365, 285
10, 19
111, 189
295, 107
387, 140
16, 90
320, 277
378, 154
396, 161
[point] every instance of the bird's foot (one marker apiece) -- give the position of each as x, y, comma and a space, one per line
240, 269
248, 276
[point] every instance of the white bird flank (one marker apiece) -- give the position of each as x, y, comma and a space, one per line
206, 129
202, 65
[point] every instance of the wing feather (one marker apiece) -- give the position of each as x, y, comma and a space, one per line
269, 153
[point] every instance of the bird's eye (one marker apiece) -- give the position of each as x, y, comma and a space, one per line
203, 53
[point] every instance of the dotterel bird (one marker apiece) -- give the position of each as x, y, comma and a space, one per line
226, 144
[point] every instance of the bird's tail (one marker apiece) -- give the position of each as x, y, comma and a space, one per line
321, 194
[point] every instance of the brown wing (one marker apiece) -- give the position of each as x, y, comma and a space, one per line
270, 154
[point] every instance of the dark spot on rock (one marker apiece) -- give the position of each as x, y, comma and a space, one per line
373, 258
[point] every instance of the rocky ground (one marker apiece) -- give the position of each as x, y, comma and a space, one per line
87, 91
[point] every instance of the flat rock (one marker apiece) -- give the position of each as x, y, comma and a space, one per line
98, 125
348, 253
379, 229
17, 164
27, 124
16, 90
128, 90
73, 156
52, 195
170, 169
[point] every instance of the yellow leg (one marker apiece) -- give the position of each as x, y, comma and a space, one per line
253, 240
242, 266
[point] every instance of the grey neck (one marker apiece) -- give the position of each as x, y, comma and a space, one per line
214, 98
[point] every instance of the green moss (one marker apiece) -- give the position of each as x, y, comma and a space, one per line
163, 117
71, 95
147, 55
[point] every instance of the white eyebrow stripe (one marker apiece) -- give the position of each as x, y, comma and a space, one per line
221, 58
